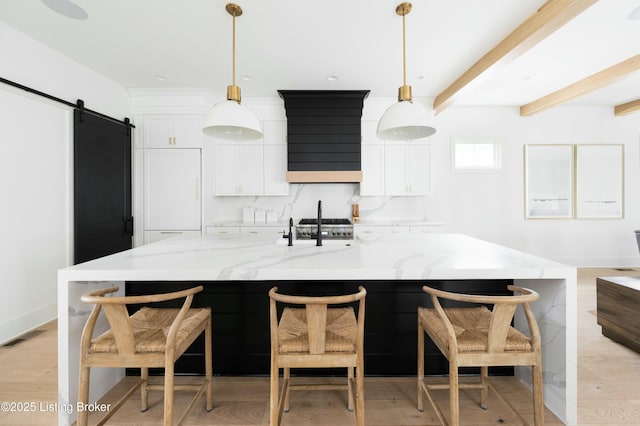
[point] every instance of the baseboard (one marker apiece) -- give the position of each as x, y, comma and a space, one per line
18, 326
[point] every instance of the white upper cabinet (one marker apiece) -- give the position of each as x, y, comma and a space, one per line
373, 160
393, 168
275, 170
255, 167
275, 158
406, 169
172, 189
172, 131
239, 169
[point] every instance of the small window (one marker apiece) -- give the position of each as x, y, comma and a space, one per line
476, 154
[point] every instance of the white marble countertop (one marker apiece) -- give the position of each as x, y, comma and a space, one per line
433, 256
241, 223
365, 222
394, 222
251, 257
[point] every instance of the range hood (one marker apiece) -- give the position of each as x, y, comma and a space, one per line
323, 135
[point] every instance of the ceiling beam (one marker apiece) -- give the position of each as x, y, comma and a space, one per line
551, 16
586, 85
627, 108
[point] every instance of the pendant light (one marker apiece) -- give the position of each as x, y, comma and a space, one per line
230, 119
405, 120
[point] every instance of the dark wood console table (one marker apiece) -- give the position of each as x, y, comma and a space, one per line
618, 308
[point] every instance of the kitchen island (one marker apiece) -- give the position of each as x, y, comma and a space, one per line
259, 259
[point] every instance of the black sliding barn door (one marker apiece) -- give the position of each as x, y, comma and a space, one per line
102, 187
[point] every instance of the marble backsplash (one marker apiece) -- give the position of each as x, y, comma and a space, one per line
337, 199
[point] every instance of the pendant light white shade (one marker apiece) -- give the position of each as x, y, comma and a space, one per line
405, 120
231, 120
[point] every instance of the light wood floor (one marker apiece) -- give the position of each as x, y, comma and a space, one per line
608, 377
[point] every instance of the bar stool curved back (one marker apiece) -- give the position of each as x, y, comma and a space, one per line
478, 337
317, 336
149, 338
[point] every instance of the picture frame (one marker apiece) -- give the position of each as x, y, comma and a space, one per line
599, 181
549, 181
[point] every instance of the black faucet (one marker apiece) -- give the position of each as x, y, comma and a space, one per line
290, 235
319, 229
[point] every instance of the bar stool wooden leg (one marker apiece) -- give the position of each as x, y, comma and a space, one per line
538, 399
287, 381
208, 353
144, 394
350, 389
420, 365
274, 410
454, 402
484, 376
83, 394
360, 392
168, 391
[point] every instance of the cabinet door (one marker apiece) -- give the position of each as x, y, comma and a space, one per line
407, 169
395, 170
275, 170
172, 189
222, 231
226, 170
153, 236
239, 170
373, 230
262, 230
418, 170
275, 132
372, 170
157, 131
172, 131
187, 131
250, 170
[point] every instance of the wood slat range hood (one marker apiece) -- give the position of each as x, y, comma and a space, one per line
324, 135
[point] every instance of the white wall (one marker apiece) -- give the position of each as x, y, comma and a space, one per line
488, 205
35, 173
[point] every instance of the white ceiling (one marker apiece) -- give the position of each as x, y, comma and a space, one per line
297, 44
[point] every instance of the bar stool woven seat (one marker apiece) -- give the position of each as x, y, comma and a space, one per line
149, 338
317, 336
479, 337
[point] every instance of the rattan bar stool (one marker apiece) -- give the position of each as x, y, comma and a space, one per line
150, 338
478, 337
317, 336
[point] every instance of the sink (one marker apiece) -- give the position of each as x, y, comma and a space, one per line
284, 241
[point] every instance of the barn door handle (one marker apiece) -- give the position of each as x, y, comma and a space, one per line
127, 225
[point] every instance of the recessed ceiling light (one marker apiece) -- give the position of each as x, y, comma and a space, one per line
66, 8
161, 78
246, 77
635, 13
333, 78
419, 77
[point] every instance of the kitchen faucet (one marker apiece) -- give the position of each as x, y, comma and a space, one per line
289, 236
319, 229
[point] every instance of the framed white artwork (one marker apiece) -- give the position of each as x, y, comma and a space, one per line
600, 181
548, 181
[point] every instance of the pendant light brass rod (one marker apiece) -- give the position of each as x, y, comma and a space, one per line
233, 91
404, 52
233, 54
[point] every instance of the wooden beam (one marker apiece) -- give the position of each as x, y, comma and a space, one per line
551, 16
586, 85
628, 108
